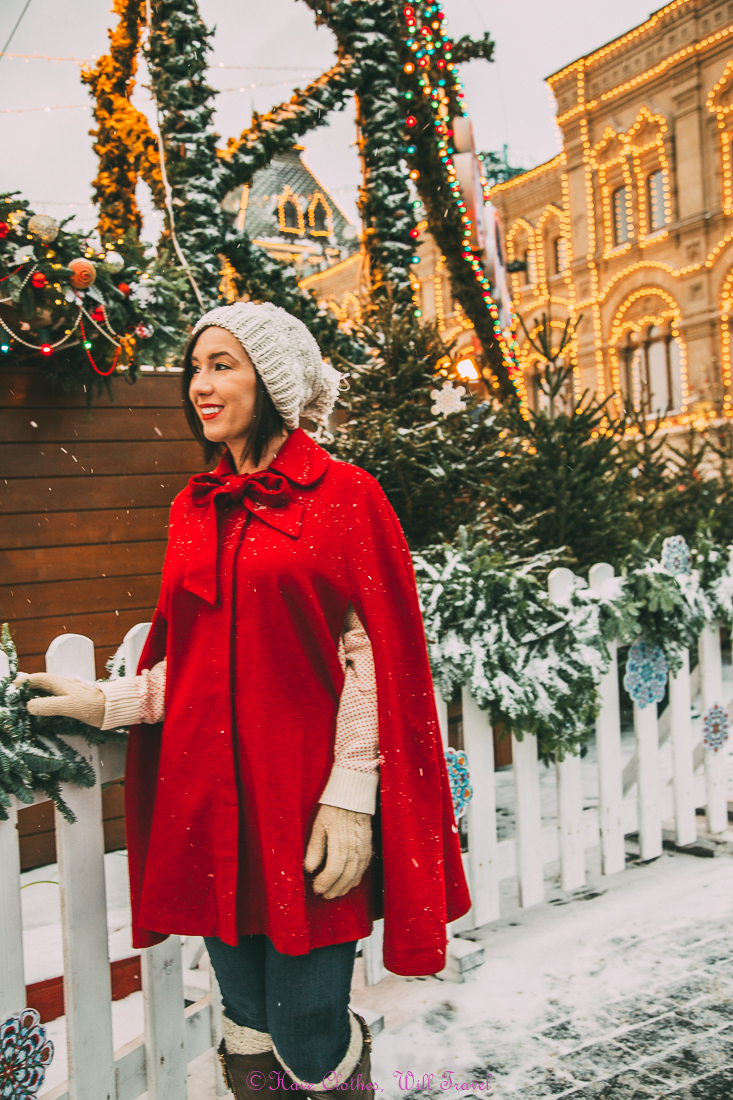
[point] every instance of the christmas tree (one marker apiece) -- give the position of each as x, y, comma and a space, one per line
426, 440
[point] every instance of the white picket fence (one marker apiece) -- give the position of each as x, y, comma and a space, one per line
632, 799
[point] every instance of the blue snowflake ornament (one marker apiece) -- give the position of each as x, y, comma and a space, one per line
646, 674
25, 1055
676, 556
715, 725
460, 788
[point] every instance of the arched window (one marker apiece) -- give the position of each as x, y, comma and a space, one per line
319, 219
290, 215
653, 371
655, 200
621, 228
560, 250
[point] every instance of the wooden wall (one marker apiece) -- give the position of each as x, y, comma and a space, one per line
84, 501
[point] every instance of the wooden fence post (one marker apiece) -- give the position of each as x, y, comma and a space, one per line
165, 1025
608, 751
530, 870
478, 741
646, 728
568, 771
133, 643
684, 770
12, 976
711, 692
80, 847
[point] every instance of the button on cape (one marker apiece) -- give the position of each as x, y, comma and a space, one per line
220, 798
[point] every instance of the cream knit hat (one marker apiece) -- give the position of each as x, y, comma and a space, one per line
286, 356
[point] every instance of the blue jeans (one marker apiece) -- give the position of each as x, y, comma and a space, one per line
301, 1000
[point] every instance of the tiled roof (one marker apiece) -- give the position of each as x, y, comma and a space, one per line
287, 191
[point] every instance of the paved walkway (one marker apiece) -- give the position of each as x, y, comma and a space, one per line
623, 991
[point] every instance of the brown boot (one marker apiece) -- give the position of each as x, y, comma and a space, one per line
360, 1081
251, 1076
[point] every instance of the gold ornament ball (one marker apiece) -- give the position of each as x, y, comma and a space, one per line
83, 273
43, 227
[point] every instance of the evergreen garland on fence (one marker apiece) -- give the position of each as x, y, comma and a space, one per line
34, 757
536, 666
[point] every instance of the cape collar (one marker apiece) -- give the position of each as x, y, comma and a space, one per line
266, 495
300, 460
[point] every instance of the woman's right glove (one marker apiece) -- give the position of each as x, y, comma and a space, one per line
70, 698
344, 838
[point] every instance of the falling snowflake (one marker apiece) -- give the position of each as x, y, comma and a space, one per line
460, 789
676, 557
25, 1054
448, 399
646, 674
715, 726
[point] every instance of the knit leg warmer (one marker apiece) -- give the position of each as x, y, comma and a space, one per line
348, 1063
244, 1040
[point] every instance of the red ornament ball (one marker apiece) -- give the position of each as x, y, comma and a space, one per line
83, 273
98, 315
39, 280
124, 289
4, 229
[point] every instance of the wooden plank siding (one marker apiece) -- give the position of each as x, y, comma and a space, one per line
84, 499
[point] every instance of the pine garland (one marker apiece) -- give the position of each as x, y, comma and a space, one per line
276, 131
432, 467
536, 666
34, 757
124, 143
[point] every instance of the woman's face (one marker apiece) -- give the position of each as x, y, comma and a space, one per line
223, 387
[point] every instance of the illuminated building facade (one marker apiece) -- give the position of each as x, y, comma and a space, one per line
631, 225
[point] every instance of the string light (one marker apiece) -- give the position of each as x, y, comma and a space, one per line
319, 199
289, 197
425, 44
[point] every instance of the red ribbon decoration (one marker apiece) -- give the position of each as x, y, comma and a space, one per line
265, 494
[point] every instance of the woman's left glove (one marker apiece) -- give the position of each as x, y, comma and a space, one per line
344, 837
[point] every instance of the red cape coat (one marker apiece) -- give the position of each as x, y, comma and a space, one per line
220, 797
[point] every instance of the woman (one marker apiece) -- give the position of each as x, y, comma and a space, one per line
288, 660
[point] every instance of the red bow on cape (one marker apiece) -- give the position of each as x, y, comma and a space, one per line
266, 495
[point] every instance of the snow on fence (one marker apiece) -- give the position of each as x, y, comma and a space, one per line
631, 799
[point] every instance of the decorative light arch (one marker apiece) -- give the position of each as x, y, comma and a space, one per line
726, 309
289, 196
626, 321
720, 104
627, 160
529, 358
319, 199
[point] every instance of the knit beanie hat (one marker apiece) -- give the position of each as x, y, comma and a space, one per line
286, 357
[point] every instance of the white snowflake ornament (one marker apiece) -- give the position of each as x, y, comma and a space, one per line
448, 399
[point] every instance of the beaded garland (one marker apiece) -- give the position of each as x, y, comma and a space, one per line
715, 727
25, 1055
646, 674
676, 557
460, 788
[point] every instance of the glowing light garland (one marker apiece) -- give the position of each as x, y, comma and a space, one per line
426, 42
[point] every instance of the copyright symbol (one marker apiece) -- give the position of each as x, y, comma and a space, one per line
256, 1079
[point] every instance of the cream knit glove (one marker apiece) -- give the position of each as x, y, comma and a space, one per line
70, 698
344, 837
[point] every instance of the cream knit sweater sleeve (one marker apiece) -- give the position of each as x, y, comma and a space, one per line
354, 778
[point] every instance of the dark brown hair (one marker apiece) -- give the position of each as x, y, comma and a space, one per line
266, 420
